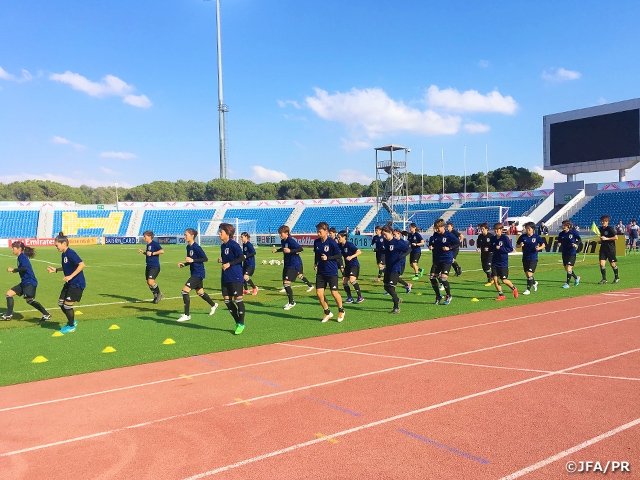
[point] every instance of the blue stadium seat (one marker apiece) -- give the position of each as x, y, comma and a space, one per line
424, 221
19, 223
621, 205
268, 219
517, 208
336, 216
173, 222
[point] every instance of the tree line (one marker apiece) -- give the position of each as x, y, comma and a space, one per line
499, 180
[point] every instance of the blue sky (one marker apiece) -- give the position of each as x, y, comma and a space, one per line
126, 91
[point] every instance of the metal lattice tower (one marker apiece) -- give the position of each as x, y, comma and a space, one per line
392, 182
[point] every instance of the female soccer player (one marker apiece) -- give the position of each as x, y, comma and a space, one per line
231, 258
293, 267
608, 237
28, 282
377, 243
151, 253
569, 239
416, 241
74, 281
442, 243
249, 264
351, 267
501, 247
484, 247
327, 254
395, 250
195, 259
531, 244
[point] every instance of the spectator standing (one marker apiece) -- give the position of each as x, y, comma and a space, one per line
542, 229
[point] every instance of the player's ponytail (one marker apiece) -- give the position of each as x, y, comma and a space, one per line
62, 238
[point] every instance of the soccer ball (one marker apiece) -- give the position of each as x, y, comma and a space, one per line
272, 262
278, 262
264, 262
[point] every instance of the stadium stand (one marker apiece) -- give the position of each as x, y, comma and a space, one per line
517, 208
268, 219
622, 205
173, 222
425, 222
91, 223
18, 223
335, 216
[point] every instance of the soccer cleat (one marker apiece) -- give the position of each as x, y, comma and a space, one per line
246, 292
184, 318
75, 323
327, 317
616, 280
6, 317
377, 279
289, 306
213, 309
420, 272
254, 291
67, 329
438, 300
488, 284
283, 290
535, 287
239, 328
447, 300
349, 300
45, 317
386, 293
602, 282
360, 300
157, 298
500, 298
310, 288
577, 282
526, 292
394, 311
566, 285
416, 277
515, 293
459, 271
408, 287
340, 316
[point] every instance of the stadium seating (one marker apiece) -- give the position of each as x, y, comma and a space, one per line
517, 208
622, 205
424, 221
268, 219
173, 222
335, 216
91, 223
18, 223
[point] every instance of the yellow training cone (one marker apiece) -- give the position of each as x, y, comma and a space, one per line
114, 327
57, 333
109, 350
39, 359
78, 312
475, 300
168, 341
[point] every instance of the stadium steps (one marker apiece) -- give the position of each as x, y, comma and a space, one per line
541, 210
576, 203
366, 220
294, 217
45, 223
133, 230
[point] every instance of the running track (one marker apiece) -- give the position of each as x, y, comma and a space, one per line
511, 393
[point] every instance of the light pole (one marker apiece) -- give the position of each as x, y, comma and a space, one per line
116, 196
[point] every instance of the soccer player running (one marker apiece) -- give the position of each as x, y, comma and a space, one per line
351, 267
608, 237
568, 240
292, 264
394, 251
397, 234
531, 244
501, 247
486, 254
74, 281
416, 241
456, 250
442, 244
249, 265
327, 254
28, 281
231, 258
195, 259
377, 243
151, 253
333, 235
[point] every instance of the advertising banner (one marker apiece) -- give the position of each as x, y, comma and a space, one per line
83, 241
120, 240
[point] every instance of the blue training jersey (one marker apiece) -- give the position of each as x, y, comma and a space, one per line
291, 260
415, 238
196, 268
153, 260
28, 277
567, 240
377, 242
349, 249
70, 261
393, 251
529, 244
229, 252
330, 248
250, 252
501, 247
438, 241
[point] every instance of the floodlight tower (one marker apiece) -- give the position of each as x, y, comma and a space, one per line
392, 183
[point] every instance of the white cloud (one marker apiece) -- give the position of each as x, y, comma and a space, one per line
560, 75
550, 177
4, 75
483, 63
261, 174
108, 171
109, 85
63, 141
74, 181
475, 127
119, 155
470, 101
352, 145
370, 112
284, 103
350, 176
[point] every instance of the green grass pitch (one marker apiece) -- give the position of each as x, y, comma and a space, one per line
117, 294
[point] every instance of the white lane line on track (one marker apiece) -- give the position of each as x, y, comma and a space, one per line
322, 351
571, 450
401, 416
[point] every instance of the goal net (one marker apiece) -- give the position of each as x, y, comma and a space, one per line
208, 230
